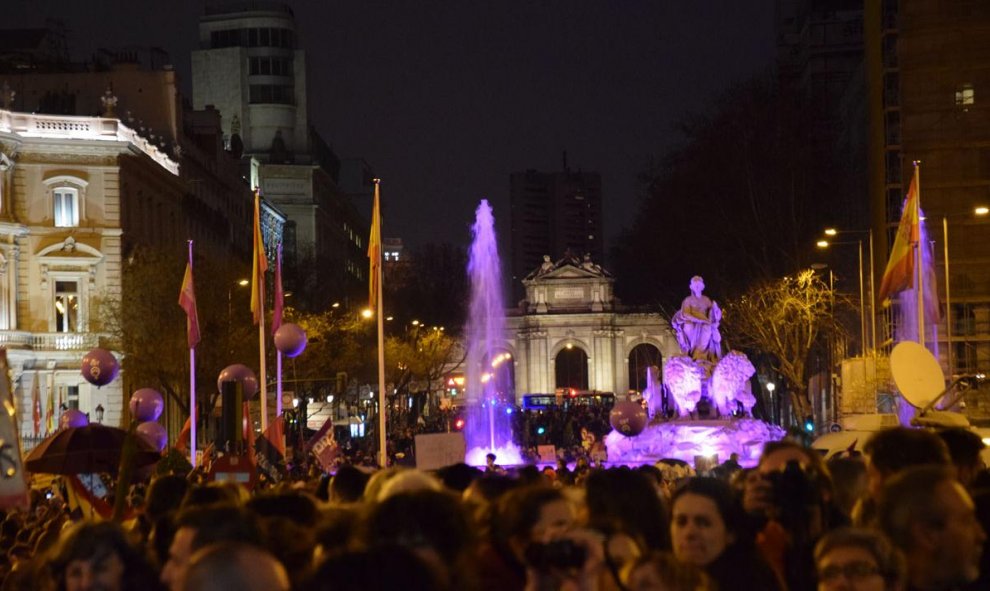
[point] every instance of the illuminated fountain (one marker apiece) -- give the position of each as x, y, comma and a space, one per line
489, 388
709, 393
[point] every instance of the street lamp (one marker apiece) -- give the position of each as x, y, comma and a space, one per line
367, 313
823, 244
978, 211
873, 315
773, 407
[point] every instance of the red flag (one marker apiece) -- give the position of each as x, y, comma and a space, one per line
900, 272
279, 293
259, 265
375, 252
187, 301
36, 405
270, 449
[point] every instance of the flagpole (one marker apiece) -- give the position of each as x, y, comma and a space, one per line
382, 438
918, 248
263, 386
192, 387
278, 383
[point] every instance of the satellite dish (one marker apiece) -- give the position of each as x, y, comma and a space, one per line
917, 373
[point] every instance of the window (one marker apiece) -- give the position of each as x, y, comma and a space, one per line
66, 306
271, 93
965, 95
66, 203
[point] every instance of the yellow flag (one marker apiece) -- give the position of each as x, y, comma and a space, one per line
259, 265
375, 252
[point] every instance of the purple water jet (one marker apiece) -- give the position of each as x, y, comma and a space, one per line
489, 390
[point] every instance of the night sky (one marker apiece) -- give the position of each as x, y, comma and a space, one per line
446, 98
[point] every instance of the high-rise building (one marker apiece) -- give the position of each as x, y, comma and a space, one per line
252, 68
553, 213
928, 71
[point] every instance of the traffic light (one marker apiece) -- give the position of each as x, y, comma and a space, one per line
809, 424
459, 424
541, 430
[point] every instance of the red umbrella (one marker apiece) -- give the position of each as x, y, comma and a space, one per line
86, 450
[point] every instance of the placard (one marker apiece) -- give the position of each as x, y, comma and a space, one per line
436, 450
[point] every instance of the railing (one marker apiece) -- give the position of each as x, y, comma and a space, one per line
50, 341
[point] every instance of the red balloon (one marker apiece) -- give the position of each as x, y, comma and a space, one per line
146, 405
290, 339
73, 418
239, 373
153, 433
628, 418
99, 367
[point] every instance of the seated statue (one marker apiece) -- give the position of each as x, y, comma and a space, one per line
696, 324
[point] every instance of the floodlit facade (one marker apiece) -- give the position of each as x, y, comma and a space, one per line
64, 210
570, 332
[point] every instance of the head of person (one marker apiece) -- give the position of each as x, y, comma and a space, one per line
660, 571
296, 506
234, 565
198, 527
849, 480
705, 520
858, 560
433, 524
892, 450
97, 556
625, 501
530, 514
363, 570
165, 494
965, 449
347, 485
697, 283
930, 517
407, 481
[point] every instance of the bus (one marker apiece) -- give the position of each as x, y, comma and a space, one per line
566, 397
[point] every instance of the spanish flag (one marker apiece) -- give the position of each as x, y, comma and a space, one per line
375, 252
187, 301
259, 264
900, 271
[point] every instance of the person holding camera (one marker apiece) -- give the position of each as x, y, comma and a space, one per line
535, 544
708, 531
789, 502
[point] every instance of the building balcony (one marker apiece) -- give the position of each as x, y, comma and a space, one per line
49, 341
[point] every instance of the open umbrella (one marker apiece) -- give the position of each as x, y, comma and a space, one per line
86, 450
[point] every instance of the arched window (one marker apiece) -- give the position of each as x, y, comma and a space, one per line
642, 357
571, 368
68, 192
66, 204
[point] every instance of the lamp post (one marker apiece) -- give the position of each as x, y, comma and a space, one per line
773, 405
872, 323
978, 211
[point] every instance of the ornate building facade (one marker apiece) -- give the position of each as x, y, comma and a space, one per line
70, 188
571, 333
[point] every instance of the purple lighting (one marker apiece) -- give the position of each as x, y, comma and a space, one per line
489, 383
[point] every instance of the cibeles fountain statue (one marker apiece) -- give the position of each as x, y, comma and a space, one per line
708, 394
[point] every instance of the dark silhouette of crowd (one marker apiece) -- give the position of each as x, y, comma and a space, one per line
908, 514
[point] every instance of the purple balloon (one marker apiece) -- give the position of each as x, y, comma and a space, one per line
99, 367
628, 417
153, 433
146, 405
290, 339
239, 373
72, 418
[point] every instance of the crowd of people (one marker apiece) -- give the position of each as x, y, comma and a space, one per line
907, 515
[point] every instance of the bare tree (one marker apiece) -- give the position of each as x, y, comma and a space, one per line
788, 319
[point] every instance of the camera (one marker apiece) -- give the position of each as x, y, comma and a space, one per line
795, 492
561, 554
